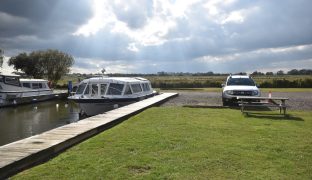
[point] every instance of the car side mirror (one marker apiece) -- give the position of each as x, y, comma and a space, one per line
222, 85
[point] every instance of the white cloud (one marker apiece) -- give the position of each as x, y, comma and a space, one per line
102, 15
256, 54
6, 69
161, 20
132, 47
88, 65
234, 17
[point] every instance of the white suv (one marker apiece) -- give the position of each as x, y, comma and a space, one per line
238, 85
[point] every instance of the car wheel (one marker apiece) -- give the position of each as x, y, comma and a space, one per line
224, 102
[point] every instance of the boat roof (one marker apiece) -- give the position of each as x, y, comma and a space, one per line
33, 80
11, 75
116, 79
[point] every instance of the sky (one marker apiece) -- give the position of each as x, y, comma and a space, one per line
149, 36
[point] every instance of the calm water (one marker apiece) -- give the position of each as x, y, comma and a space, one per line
27, 120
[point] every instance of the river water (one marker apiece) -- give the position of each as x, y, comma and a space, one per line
27, 120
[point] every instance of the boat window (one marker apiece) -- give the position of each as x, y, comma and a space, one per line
26, 85
81, 88
40, 85
12, 81
87, 89
1, 78
94, 90
146, 87
136, 88
115, 89
44, 85
128, 90
35, 85
103, 89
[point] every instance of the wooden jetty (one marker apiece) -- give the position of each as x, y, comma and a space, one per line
25, 153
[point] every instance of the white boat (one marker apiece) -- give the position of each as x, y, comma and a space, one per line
14, 90
101, 94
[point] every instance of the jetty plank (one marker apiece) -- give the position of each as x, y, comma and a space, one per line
23, 154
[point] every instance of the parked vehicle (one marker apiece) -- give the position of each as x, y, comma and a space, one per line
238, 85
100, 94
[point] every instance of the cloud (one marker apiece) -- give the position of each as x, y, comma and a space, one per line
268, 58
160, 35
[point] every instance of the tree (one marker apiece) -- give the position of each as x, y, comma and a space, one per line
56, 64
280, 72
269, 73
27, 64
293, 72
49, 63
1, 57
255, 73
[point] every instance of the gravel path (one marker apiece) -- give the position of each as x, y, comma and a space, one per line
297, 100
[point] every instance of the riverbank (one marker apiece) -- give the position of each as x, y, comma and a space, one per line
190, 143
19, 155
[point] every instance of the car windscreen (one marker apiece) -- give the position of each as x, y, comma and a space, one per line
240, 82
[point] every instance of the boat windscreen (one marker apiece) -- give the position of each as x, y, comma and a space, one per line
115, 89
146, 87
81, 88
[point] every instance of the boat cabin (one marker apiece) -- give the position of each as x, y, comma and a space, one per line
113, 86
14, 83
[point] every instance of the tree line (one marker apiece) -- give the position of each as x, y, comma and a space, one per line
275, 83
209, 73
280, 72
255, 73
50, 64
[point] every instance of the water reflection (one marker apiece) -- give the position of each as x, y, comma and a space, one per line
27, 120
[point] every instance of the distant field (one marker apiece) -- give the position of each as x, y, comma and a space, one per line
220, 89
289, 81
282, 81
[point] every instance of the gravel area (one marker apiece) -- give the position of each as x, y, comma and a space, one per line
297, 100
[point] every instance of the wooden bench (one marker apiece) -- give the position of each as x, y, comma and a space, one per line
249, 101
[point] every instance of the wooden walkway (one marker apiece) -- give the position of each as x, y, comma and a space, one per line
20, 155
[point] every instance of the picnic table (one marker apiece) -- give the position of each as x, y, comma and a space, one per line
251, 101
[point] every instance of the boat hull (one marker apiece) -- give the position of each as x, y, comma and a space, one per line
91, 107
30, 99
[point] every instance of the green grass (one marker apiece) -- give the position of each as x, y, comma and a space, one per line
190, 143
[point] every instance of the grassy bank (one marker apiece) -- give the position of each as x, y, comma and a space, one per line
190, 143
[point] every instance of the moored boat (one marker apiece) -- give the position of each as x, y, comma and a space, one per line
99, 94
15, 90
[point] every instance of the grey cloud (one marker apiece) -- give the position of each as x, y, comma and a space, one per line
135, 14
275, 24
41, 24
44, 18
